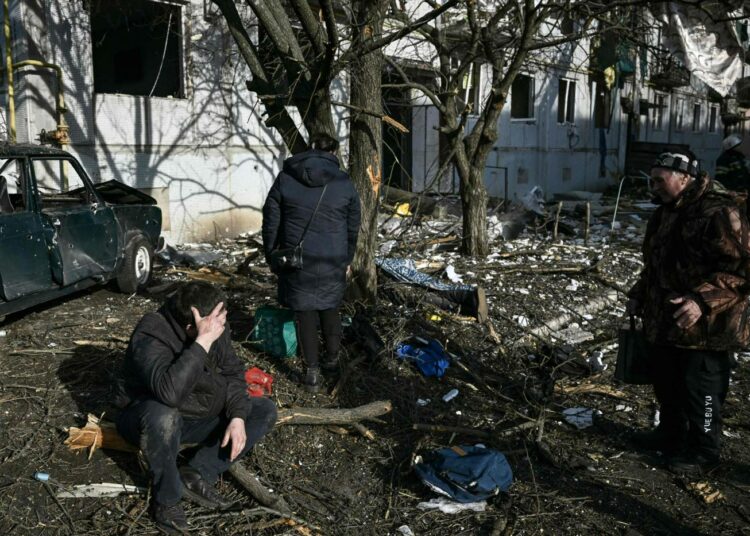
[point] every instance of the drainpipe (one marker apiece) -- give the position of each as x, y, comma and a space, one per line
60, 135
9, 71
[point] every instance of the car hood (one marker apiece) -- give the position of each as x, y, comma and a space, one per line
117, 193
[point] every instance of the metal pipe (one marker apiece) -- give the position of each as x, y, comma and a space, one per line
9, 71
60, 106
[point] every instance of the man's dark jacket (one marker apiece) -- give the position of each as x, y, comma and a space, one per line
732, 170
331, 239
163, 364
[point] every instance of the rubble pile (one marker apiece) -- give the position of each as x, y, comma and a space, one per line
533, 381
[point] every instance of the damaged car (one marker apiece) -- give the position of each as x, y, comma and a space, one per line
61, 233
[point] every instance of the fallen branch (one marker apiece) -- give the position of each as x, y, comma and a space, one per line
259, 492
487, 434
98, 434
333, 415
555, 324
590, 388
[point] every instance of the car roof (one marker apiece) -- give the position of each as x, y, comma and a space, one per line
8, 150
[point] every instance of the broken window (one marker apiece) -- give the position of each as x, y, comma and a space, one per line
137, 48
566, 101
522, 97
713, 113
602, 103
60, 185
12, 186
679, 115
696, 117
657, 115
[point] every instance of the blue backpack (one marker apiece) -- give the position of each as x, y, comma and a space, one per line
465, 473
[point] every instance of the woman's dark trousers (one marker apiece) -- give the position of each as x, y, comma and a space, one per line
307, 323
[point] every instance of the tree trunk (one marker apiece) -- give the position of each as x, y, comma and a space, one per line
365, 144
474, 206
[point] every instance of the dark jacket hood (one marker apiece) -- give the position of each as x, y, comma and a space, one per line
313, 168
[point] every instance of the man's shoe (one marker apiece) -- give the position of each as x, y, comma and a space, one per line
312, 380
693, 465
201, 492
657, 440
171, 519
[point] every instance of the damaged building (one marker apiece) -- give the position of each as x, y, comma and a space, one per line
152, 93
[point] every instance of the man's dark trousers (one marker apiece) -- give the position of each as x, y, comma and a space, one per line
690, 386
159, 430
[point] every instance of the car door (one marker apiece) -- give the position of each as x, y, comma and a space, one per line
24, 259
81, 230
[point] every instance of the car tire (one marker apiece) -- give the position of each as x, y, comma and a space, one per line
137, 266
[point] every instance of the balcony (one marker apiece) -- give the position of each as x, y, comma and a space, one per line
669, 74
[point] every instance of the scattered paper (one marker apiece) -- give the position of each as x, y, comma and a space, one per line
452, 507
450, 273
105, 489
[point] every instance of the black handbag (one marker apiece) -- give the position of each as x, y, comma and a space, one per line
290, 259
633, 359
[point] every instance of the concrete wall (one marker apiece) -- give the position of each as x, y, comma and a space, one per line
207, 156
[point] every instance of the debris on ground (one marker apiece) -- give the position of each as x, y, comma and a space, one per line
554, 307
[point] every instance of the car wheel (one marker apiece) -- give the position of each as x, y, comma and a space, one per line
137, 266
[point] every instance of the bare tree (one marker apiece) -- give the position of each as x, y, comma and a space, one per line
503, 35
300, 49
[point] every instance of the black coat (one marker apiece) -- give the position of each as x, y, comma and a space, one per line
163, 364
331, 239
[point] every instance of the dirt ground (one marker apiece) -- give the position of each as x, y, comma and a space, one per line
57, 364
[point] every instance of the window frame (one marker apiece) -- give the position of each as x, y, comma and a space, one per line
660, 100
182, 51
713, 116
679, 114
697, 120
569, 110
531, 96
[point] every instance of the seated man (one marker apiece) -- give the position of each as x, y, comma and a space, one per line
183, 383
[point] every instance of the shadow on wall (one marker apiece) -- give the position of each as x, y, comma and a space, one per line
209, 150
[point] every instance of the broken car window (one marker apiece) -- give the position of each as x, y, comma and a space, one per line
60, 185
12, 186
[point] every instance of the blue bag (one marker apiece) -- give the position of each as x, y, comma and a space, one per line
428, 356
465, 473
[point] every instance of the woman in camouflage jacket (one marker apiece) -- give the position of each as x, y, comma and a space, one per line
692, 294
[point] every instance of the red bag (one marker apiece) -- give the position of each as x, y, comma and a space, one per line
258, 382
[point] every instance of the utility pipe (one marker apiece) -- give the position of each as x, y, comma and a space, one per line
9, 71
61, 135
62, 127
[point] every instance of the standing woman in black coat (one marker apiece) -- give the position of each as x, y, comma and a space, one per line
308, 180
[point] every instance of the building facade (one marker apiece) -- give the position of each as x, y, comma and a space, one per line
154, 96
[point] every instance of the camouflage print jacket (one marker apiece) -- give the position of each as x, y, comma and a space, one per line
697, 246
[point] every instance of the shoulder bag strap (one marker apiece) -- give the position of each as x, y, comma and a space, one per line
304, 232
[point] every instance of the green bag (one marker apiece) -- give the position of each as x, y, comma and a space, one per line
274, 331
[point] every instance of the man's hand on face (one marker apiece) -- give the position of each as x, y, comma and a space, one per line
688, 314
211, 326
236, 434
